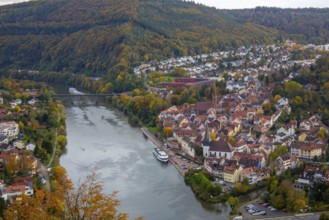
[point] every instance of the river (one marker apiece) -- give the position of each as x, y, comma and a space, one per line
101, 137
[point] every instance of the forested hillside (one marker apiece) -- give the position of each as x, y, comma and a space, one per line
92, 36
307, 25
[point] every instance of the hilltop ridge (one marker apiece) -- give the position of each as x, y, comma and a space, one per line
92, 37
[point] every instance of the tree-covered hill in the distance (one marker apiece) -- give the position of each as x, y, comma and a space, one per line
92, 36
307, 25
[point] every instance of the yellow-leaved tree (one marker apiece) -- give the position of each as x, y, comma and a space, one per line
168, 131
88, 201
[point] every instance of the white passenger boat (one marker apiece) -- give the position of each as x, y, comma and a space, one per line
161, 155
74, 91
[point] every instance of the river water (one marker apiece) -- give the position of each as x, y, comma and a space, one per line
100, 137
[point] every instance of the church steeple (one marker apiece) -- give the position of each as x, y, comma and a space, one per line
206, 139
206, 142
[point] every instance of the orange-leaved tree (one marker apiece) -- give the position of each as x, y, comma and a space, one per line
89, 202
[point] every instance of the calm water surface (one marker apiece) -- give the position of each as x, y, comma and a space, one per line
101, 137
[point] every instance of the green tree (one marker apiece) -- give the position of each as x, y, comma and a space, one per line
245, 181
322, 133
293, 89
179, 72
278, 201
272, 184
268, 108
61, 141
233, 202
278, 151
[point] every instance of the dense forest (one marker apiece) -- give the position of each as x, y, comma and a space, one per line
308, 25
91, 37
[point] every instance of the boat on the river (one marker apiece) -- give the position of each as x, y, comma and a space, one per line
161, 155
74, 91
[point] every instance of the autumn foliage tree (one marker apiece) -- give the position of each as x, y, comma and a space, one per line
168, 131
43, 205
89, 202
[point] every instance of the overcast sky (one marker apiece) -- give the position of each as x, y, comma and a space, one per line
5, 2
230, 4
244, 3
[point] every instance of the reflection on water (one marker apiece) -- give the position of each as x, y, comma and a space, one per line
101, 137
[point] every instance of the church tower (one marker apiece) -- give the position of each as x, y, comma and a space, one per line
206, 142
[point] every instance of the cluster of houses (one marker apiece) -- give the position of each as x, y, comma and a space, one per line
13, 151
21, 186
233, 132
16, 157
236, 137
312, 174
261, 59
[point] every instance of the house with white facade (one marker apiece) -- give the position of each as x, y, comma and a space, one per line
30, 147
13, 191
9, 129
307, 151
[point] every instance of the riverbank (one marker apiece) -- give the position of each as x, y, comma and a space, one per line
181, 164
102, 136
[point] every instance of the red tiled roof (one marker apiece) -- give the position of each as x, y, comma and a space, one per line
243, 114
253, 99
203, 117
310, 168
203, 105
221, 145
189, 133
16, 188
230, 169
23, 180
248, 171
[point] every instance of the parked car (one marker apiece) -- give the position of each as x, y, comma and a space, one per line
43, 181
249, 206
256, 213
252, 211
238, 218
222, 183
260, 213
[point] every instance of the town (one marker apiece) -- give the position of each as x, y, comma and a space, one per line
27, 139
244, 134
